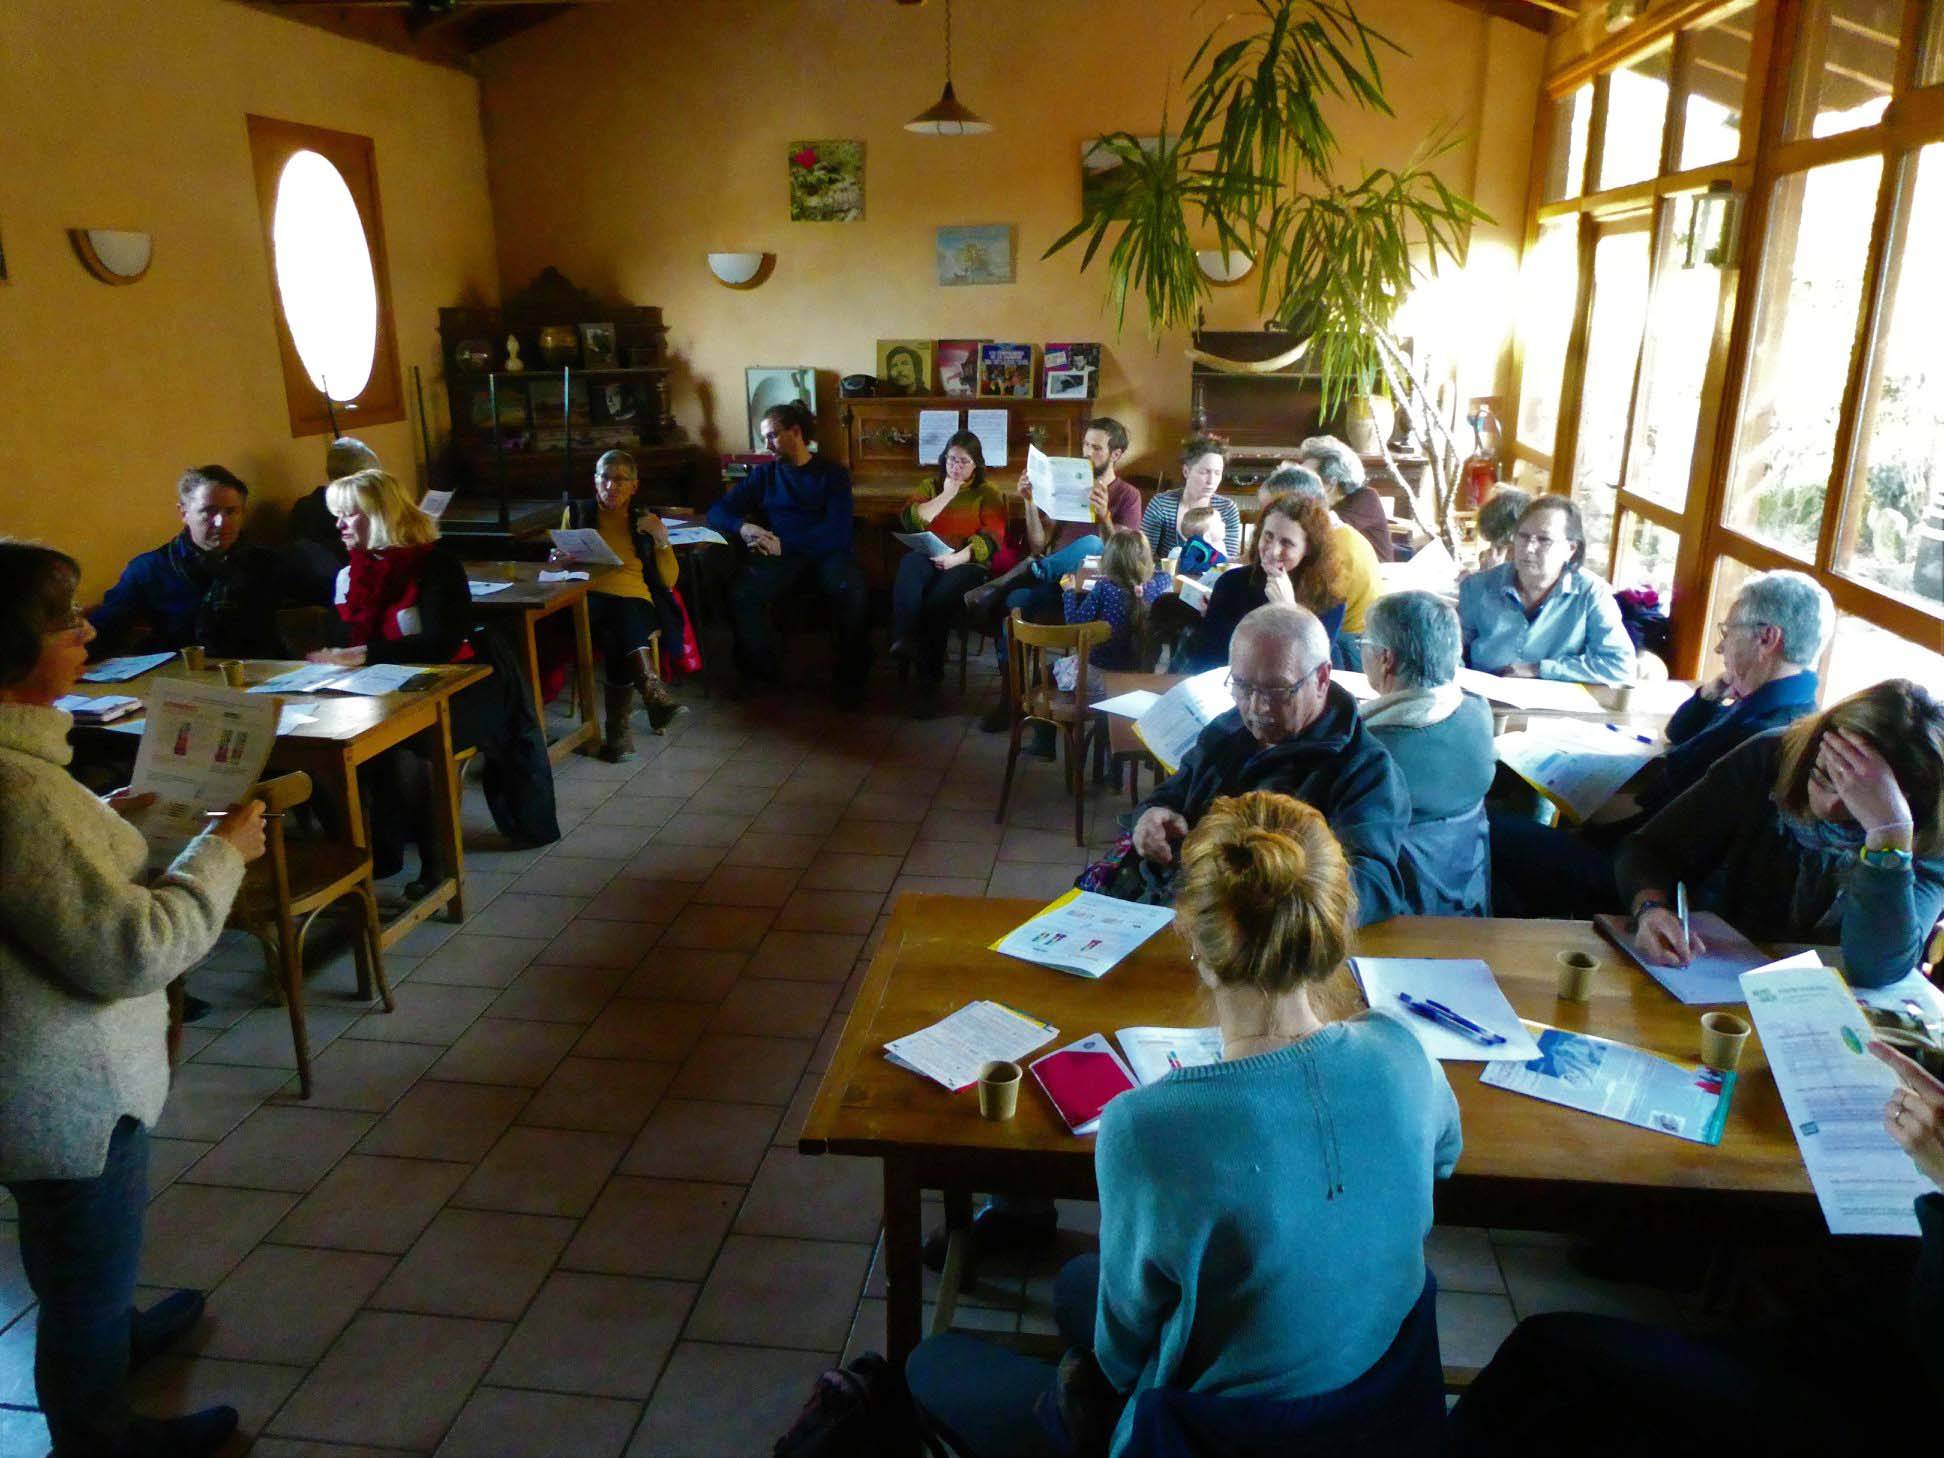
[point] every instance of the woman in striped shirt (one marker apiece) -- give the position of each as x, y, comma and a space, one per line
1203, 460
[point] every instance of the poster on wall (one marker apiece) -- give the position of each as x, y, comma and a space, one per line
904, 366
826, 182
979, 254
768, 385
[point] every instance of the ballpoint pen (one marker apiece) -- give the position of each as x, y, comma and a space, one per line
1681, 907
1438, 1013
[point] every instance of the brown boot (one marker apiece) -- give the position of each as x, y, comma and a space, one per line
618, 742
655, 697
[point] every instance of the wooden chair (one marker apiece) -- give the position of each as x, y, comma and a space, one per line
1030, 651
283, 893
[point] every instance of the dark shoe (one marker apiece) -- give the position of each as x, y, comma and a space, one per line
194, 1009
153, 1332
998, 719
661, 705
196, 1436
617, 738
996, 1229
983, 601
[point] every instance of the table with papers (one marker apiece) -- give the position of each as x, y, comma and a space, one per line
531, 594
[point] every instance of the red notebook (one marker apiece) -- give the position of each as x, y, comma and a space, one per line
1082, 1079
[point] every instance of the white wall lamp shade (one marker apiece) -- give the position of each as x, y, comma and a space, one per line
739, 270
113, 255
1223, 266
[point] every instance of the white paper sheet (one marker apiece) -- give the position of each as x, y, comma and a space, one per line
584, 544
1193, 592
1899, 996
1357, 684
1577, 764
1130, 705
690, 534
1465, 986
935, 427
1714, 977
930, 543
1170, 728
952, 1051
434, 503
292, 717
563, 576
1430, 569
378, 678
1834, 1092
1617, 1081
120, 670
1084, 933
990, 427
1154, 1053
203, 746
1062, 485
1539, 695
298, 680
485, 589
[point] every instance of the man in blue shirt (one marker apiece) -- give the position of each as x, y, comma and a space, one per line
1542, 614
793, 518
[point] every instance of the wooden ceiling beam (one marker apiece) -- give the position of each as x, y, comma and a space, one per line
1535, 15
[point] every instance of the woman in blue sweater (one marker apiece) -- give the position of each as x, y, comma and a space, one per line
1262, 1219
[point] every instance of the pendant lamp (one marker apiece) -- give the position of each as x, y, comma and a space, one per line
950, 117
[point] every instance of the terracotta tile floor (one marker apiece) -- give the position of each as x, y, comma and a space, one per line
552, 1204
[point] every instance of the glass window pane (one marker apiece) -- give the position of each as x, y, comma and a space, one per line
1549, 287
1730, 576
1612, 351
1805, 328
1846, 58
1930, 59
1716, 80
1630, 147
1865, 654
1674, 358
1647, 553
1532, 477
1572, 120
1895, 530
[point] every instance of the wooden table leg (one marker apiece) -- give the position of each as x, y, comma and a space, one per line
903, 1246
584, 676
446, 816
529, 652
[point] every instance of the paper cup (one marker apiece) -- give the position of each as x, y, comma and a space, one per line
192, 658
1722, 1036
232, 673
1576, 971
999, 1090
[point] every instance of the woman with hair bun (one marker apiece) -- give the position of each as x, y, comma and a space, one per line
1262, 1219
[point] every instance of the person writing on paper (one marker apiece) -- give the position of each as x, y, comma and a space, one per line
1203, 462
1831, 830
969, 515
1775, 630
88, 943
1854, 1374
1296, 565
1353, 500
1262, 1219
793, 516
1440, 738
628, 605
404, 599
1543, 615
1294, 732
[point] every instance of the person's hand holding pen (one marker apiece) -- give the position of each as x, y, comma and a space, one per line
1659, 933
1914, 1116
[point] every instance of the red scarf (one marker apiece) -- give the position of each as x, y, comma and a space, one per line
382, 584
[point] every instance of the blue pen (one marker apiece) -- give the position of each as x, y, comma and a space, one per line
1637, 738
1438, 1013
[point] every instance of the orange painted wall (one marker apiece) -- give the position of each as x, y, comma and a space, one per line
129, 113
628, 140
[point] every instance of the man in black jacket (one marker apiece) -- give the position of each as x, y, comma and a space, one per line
1294, 733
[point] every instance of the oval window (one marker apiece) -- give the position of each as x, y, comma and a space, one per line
324, 276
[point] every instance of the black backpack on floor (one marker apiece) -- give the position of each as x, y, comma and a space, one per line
860, 1411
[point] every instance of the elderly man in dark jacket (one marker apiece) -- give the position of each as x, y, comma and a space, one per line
1294, 733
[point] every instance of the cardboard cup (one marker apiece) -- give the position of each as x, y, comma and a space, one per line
999, 1090
192, 658
232, 673
1722, 1036
1576, 971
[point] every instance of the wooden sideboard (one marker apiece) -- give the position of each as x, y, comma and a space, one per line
881, 434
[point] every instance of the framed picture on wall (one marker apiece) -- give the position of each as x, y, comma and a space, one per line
826, 182
767, 385
904, 366
597, 347
981, 254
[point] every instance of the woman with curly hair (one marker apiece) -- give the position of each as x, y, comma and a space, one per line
1295, 563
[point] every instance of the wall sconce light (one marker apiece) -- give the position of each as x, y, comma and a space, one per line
1714, 226
1223, 266
741, 270
113, 255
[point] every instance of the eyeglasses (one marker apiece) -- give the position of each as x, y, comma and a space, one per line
1537, 540
1753, 624
1275, 695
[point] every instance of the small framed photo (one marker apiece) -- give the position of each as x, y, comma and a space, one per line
904, 366
597, 347
1069, 384
615, 402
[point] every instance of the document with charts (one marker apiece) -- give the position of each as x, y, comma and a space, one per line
952, 1051
1154, 1053
1617, 1081
1062, 485
1170, 728
1577, 765
203, 747
1084, 933
1833, 1092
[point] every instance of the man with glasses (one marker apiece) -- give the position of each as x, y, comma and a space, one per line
1294, 733
793, 518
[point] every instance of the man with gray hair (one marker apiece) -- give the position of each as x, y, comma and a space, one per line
1294, 733
316, 553
1441, 739
1351, 497
1775, 632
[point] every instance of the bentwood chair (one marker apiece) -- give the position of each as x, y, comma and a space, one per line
284, 892
1030, 651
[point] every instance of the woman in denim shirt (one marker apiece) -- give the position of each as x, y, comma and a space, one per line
1542, 614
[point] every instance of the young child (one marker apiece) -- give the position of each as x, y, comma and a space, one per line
1120, 596
1201, 542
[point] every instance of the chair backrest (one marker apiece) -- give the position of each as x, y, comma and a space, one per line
283, 793
1447, 865
1032, 647
1396, 1408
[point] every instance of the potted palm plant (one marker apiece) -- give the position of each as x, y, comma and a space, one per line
1255, 162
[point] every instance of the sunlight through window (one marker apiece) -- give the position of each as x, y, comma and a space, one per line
324, 276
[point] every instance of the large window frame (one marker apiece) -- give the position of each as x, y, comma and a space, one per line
1781, 37
382, 401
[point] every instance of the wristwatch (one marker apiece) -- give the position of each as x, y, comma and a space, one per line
1889, 858
1646, 906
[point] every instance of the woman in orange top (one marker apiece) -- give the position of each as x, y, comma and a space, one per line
969, 516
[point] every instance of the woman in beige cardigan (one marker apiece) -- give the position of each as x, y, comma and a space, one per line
87, 945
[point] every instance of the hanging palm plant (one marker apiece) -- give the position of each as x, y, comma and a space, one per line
1254, 162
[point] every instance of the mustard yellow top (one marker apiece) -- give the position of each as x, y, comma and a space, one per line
617, 530
1361, 584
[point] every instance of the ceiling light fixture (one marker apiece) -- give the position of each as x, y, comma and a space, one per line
950, 117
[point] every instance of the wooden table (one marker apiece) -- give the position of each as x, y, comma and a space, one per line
350, 730
1527, 1164
526, 604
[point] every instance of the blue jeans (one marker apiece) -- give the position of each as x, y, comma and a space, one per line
1055, 565
981, 1395
81, 1242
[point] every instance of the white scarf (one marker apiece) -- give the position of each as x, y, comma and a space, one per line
1413, 708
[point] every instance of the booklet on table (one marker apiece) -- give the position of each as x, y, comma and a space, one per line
1154, 1053
1082, 1079
120, 670
1712, 977
103, 709
1577, 765
1617, 1081
1084, 933
1463, 986
952, 1051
